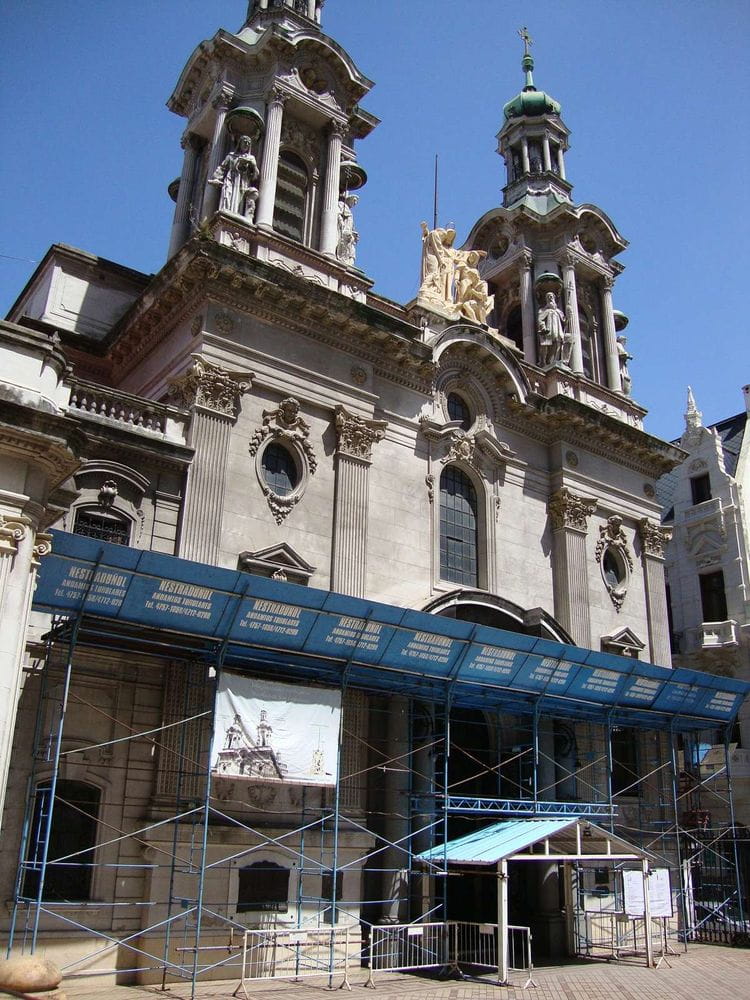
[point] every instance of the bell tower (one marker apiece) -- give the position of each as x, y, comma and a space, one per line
269, 164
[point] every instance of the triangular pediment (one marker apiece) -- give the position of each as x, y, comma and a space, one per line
277, 560
624, 638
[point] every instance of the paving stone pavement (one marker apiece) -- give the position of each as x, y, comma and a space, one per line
704, 972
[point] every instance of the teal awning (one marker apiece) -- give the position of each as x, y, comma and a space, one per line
569, 838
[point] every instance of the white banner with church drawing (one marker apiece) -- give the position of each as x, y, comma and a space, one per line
275, 732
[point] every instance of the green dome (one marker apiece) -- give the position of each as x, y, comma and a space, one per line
530, 103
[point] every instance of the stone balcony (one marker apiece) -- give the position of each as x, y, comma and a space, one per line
114, 408
706, 511
713, 635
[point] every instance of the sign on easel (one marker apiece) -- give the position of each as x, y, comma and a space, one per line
659, 892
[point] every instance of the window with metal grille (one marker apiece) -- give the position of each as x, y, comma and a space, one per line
106, 527
72, 839
263, 886
291, 197
279, 470
458, 527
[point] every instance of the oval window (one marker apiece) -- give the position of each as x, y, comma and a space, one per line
280, 471
613, 569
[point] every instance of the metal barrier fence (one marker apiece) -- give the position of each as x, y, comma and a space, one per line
296, 953
397, 947
474, 944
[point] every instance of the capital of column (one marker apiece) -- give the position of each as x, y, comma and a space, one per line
277, 98
336, 129
210, 387
568, 510
222, 100
12, 531
42, 546
355, 435
654, 537
526, 260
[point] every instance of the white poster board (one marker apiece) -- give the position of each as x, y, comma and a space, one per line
266, 731
659, 892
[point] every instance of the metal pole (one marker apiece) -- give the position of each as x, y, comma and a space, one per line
335, 859
678, 838
647, 916
609, 775
435, 196
737, 872
502, 922
446, 756
535, 739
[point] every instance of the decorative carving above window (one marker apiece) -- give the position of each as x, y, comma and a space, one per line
615, 559
279, 562
284, 458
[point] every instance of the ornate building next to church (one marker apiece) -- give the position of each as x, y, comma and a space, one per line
311, 598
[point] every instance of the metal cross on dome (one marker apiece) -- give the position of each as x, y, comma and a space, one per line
528, 41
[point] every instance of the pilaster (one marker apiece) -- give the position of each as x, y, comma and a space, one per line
355, 438
654, 539
569, 515
269, 164
213, 395
571, 314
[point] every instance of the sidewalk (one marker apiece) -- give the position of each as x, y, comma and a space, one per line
705, 972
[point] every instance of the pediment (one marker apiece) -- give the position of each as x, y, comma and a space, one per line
624, 641
277, 561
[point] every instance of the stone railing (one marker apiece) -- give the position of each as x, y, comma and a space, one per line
703, 511
132, 412
713, 635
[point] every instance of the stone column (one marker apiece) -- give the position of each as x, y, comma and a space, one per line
330, 214
213, 395
561, 161
20, 550
571, 313
356, 437
569, 516
211, 191
546, 154
654, 539
311, 9
269, 163
527, 310
612, 360
181, 223
525, 155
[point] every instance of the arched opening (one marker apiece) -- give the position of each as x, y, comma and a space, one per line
514, 326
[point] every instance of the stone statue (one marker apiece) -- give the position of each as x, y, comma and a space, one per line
236, 176
437, 265
554, 343
348, 235
623, 357
471, 291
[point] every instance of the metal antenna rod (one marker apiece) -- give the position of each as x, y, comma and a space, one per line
435, 199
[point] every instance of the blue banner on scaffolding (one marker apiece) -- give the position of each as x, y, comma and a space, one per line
253, 613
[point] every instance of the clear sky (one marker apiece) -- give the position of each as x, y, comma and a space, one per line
655, 93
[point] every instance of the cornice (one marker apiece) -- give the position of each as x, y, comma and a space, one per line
51, 441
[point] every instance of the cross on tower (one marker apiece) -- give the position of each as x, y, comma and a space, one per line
527, 39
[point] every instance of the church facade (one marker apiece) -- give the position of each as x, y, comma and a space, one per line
256, 408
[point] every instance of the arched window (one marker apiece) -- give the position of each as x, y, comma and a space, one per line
291, 197
280, 471
514, 327
72, 841
458, 410
458, 527
263, 886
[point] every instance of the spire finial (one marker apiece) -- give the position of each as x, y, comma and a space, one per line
527, 63
693, 416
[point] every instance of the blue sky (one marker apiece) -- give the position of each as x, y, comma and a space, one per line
655, 95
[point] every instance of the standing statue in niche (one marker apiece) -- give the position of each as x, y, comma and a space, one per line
623, 357
472, 295
348, 235
554, 342
236, 176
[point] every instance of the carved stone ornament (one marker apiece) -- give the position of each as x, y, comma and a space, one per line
653, 537
461, 449
356, 435
359, 375
567, 510
211, 387
285, 425
616, 569
430, 484
12, 531
108, 493
42, 546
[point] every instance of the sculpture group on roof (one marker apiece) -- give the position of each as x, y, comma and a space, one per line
450, 279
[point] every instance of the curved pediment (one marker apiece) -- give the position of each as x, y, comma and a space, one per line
476, 345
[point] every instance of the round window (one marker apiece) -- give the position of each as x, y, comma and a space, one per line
458, 410
613, 569
280, 471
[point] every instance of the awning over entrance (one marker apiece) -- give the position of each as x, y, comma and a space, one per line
123, 595
546, 840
